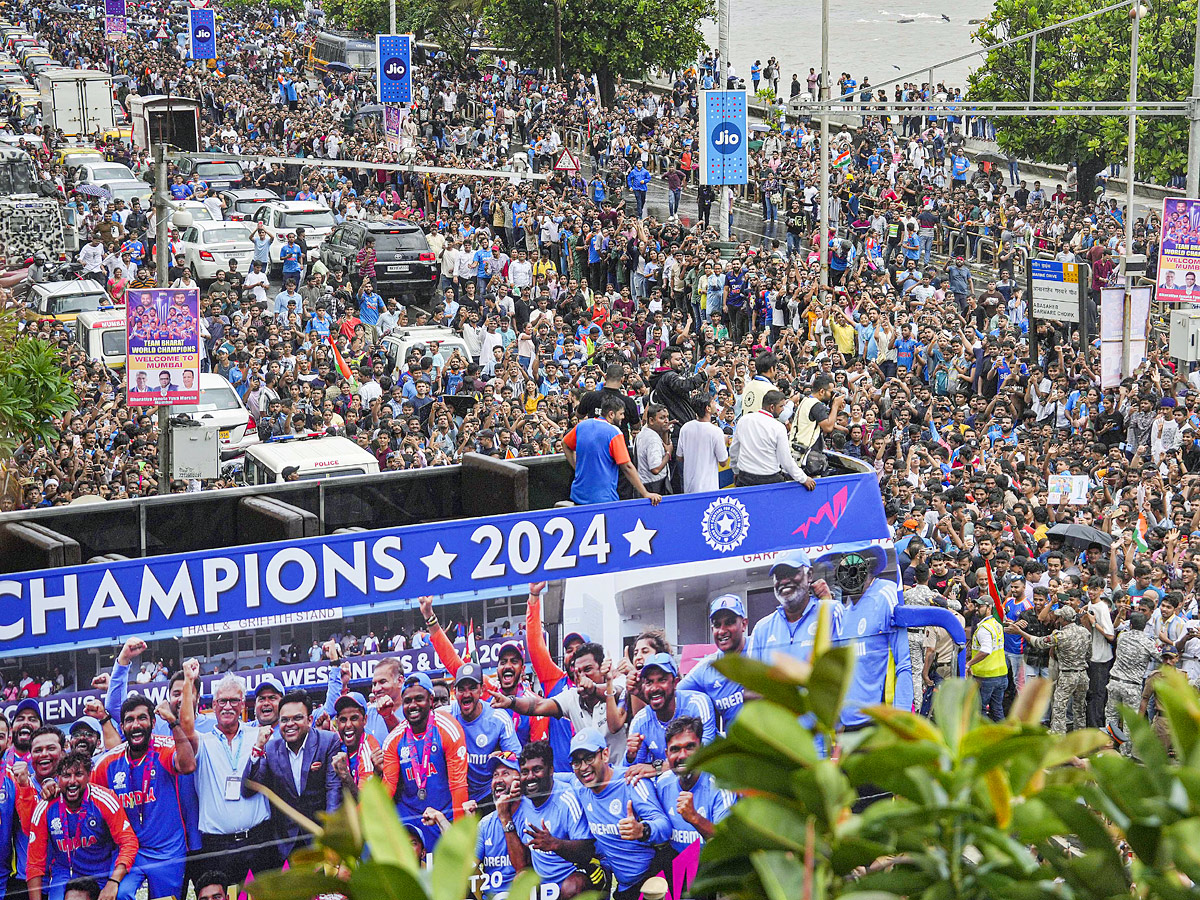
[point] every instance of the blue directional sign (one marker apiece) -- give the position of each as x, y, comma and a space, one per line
723, 137
394, 67
202, 29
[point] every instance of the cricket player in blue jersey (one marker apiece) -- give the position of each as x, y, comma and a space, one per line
625, 820
868, 625
693, 802
491, 844
792, 628
727, 616
647, 741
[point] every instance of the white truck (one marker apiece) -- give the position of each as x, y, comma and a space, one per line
79, 102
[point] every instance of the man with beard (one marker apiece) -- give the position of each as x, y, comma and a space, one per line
354, 761
267, 697
34, 782
387, 687
693, 802
298, 766
727, 616
425, 760
554, 680
545, 828
27, 718
510, 673
85, 737
647, 742
792, 628
81, 833
143, 774
491, 845
585, 705
625, 819
485, 731
234, 830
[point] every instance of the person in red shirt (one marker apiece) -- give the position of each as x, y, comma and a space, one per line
83, 832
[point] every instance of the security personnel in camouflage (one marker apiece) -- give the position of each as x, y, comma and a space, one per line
1132, 655
1072, 644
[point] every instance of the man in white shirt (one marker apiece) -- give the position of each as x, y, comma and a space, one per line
761, 451
1098, 620
701, 449
653, 448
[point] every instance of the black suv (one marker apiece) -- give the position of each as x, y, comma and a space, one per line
404, 263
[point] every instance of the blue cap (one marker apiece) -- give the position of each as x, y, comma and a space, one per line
28, 703
420, 679
270, 681
351, 699
508, 759
88, 722
511, 645
576, 636
731, 602
661, 661
793, 559
589, 740
468, 672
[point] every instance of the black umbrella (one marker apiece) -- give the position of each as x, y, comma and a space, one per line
1076, 535
338, 67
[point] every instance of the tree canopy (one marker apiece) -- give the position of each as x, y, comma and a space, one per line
624, 38
1089, 61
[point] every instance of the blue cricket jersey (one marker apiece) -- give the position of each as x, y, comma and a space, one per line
868, 626
489, 732
562, 816
654, 730
492, 851
775, 634
627, 860
709, 800
726, 696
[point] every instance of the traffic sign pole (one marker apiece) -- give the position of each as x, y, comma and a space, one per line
567, 162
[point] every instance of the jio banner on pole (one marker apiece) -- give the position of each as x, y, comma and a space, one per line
202, 27
723, 136
162, 346
394, 59
1179, 251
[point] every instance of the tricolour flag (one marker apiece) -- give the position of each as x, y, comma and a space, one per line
993, 593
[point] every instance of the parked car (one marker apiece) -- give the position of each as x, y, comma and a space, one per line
207, 247
128, 188
218, 174
241, 203
404, 266
220, 405
95, 172
282, 217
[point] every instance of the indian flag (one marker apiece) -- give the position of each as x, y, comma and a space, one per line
842, 159
1139, 534
339, 359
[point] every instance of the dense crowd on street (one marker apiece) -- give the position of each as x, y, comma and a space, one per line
603, 318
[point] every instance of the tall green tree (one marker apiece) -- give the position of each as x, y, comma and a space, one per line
610, 38
1089, 61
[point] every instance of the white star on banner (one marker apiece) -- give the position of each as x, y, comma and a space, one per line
640, 538
438, 562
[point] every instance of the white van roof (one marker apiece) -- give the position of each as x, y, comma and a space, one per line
114, 318
328, 453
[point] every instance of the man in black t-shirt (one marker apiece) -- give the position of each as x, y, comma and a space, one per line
589, 403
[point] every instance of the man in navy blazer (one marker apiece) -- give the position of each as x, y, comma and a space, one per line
297, 764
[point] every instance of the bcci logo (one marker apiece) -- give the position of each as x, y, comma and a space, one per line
614, 808
725, 524
481, 741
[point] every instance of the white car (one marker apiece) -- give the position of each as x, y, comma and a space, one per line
282, 217
208, 246
220, 405
128, 188
95, 172
200, 212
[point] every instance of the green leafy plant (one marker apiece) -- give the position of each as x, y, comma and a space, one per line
35, 389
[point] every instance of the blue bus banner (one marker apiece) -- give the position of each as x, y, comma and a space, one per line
182, 594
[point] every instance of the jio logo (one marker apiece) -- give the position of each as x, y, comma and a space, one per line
203, 33
726, 137
394, 68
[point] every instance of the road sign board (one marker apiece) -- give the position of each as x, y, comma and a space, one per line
567, 162
1055, 290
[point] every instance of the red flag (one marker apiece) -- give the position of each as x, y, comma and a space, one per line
993, 593
337, 358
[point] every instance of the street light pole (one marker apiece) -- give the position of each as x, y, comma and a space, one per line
1193, 163
162, 265
824, 94
1135, 13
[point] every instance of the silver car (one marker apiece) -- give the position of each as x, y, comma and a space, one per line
220, 405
